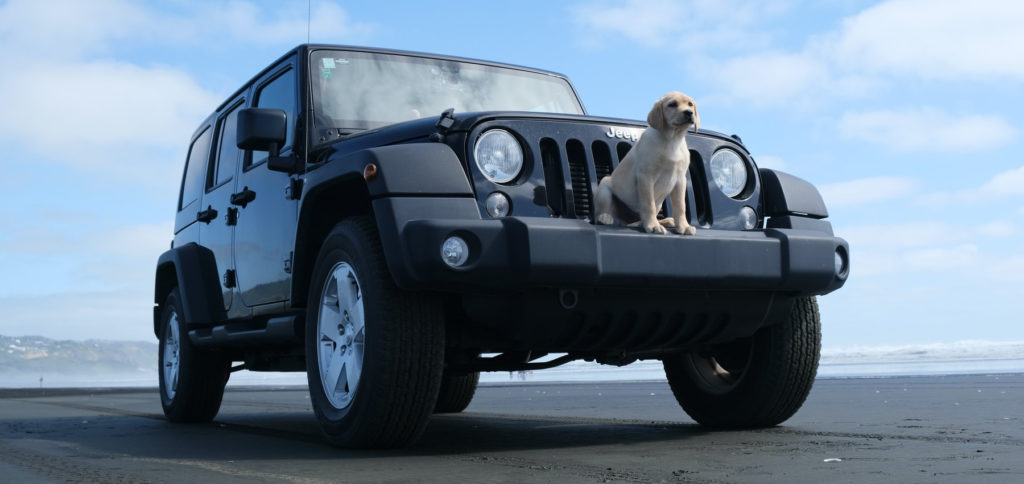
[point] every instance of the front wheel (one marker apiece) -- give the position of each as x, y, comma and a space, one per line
754, 382
374, 353
191, 380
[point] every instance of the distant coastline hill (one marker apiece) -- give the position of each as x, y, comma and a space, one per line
26, 359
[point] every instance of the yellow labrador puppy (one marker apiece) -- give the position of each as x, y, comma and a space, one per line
654, 169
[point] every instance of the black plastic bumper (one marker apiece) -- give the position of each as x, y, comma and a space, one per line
519, 253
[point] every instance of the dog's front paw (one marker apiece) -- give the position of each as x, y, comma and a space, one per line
605, 219
688, 230
654, 228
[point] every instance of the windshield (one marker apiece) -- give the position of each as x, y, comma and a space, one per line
359, 90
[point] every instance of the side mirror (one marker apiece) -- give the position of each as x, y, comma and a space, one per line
264, 129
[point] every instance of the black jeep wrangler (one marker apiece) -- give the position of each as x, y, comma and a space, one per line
394, 223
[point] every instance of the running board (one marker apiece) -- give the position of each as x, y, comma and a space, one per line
270, 332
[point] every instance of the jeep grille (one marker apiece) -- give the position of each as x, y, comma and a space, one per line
574, 157
586, 169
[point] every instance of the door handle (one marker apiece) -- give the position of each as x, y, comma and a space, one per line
243, 197
206, 215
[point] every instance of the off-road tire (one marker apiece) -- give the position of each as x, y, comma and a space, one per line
402, 346
196, 393
456, 392
768, 377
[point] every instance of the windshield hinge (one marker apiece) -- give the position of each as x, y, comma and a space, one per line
294, 189
444, 123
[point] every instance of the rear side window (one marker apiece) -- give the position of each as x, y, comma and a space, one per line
227, 157
278, 94
195, 169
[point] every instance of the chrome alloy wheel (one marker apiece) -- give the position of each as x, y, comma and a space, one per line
171, 356
341, 331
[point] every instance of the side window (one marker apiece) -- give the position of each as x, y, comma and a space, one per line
227, 151
195, 169
278, 94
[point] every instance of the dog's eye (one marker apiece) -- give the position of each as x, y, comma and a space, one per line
690, 103
673, 104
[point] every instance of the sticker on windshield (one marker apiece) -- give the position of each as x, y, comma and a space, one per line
328, 63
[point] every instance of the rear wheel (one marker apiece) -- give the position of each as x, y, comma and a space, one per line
374, 353
191, 380
755, 382
456, 392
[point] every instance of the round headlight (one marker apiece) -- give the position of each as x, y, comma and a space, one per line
729, 172
498, 156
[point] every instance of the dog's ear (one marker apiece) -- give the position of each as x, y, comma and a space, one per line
696, 118
656, 118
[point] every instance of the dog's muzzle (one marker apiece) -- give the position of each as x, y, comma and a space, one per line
686, 119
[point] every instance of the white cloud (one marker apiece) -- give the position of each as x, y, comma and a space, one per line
650, 23
926, 129
899, 236
145, 241
866, 190
765, 78
946, 39
124, 256
101, 105
941, 259
1009, 183
921, 248
689, 26
68, 28
246, 22
71, 29
118, 315
131, 121
1001, 228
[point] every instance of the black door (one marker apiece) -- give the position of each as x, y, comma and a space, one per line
265, 235
220, 182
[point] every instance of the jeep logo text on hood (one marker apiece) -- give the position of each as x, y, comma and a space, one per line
624, 133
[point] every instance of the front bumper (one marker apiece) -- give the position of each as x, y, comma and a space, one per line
520, 253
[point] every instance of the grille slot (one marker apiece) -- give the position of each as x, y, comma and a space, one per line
622, 148
553, 180
578, 173
602, 160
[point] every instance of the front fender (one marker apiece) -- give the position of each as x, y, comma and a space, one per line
426, 180
785, 194
193, 269
410, 170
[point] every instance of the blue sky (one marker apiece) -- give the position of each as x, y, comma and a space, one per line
907, 115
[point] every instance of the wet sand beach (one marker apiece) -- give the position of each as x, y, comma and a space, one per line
905, 429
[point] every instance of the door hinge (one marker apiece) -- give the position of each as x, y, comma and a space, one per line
294, 189
229, 278
288, 263
232, 216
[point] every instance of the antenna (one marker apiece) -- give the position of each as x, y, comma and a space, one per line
309, 15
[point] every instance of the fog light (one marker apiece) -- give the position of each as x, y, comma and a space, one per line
454, 251
841, 267
497, 205
749, 218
